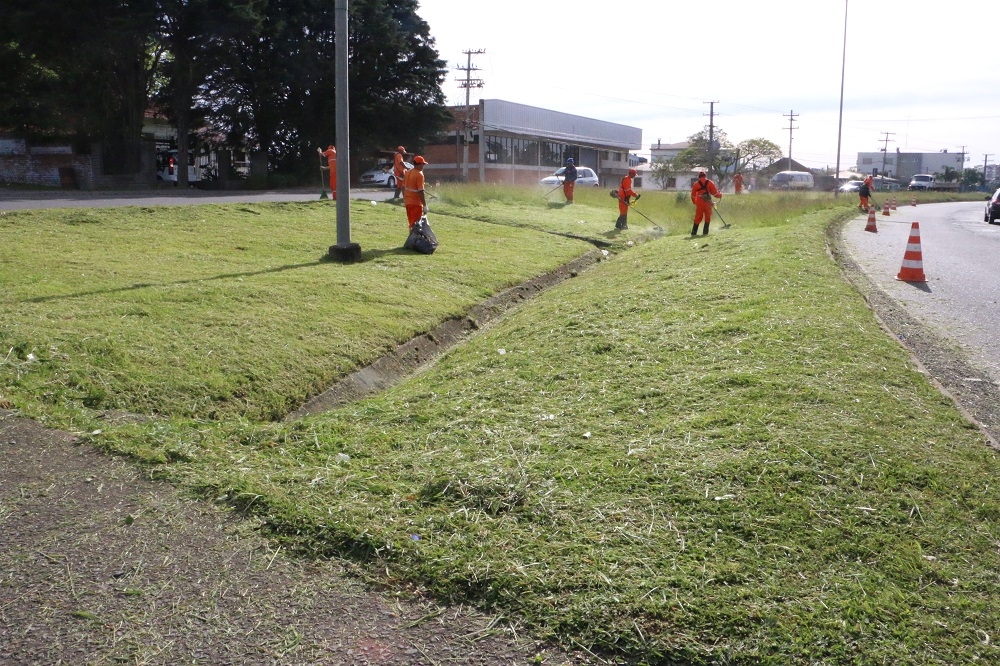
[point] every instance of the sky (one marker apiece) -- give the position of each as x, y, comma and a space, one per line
918, 76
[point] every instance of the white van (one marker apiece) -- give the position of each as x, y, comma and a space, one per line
792, 180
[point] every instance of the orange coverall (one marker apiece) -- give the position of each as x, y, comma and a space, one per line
413, 195
398, 171
701, 192
331, 160
624, 192
738, 182
870, 185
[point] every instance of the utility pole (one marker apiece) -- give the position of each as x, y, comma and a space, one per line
885, 149
986, 158
961, 170
468, 83
711, 137
791, 115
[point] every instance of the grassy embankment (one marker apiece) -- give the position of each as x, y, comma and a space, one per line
702, 451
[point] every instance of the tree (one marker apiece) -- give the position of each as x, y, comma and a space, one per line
192, 34
755, 154
700, 153
971, 179
277, 90
89, 67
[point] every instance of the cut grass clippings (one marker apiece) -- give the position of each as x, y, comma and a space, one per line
703, 452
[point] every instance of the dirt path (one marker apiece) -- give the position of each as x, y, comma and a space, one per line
99, 565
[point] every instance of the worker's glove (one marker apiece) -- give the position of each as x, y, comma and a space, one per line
637, 197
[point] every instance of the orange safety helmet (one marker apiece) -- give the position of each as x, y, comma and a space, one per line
633, 172
419, 160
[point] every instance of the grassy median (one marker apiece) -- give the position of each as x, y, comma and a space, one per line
703, 451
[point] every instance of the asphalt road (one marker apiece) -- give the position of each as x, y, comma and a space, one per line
959, 252
163, 196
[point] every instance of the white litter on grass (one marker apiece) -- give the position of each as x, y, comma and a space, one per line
548, 417
374, 203
725, 497
32, 357
630, 243
604, 252
581, 221
501, 351
342, 457
586, 435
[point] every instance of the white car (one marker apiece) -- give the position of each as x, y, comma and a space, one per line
585, 177
382, 176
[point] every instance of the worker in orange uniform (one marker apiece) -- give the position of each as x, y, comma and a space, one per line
625, 192
864, 192
331, 163
738, 182
569, 179
413, 191
702, 192
398, 169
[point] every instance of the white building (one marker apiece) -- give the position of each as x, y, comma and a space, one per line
902, 166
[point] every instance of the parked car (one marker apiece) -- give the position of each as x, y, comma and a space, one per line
585, 177
993, 209
792, 180
851, 186
382, 176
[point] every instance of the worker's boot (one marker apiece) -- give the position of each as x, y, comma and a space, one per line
705, 232
694, 229
622, 222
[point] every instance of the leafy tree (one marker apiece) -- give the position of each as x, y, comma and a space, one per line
971, 179
755, 154
88, 70
725, 158
277, 90
192, 34
700, 153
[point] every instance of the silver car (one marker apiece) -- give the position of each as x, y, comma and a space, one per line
585, 177
381, 176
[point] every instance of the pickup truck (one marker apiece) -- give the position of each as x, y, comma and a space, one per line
926, 182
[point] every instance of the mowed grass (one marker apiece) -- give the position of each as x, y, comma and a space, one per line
704, 451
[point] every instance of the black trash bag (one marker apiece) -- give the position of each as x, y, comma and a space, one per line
421, 238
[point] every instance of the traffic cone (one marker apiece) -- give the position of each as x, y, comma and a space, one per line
912, 269
885, 207
892, 203
871, 220
913, 201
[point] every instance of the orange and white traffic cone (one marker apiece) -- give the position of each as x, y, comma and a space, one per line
912, 269
871, 220
892, 203
885, 207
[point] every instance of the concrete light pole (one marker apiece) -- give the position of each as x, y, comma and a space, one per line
840, 121
344, 250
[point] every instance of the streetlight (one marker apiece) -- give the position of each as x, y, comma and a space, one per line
840, 122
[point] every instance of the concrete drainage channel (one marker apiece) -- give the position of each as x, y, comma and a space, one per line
409, 356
